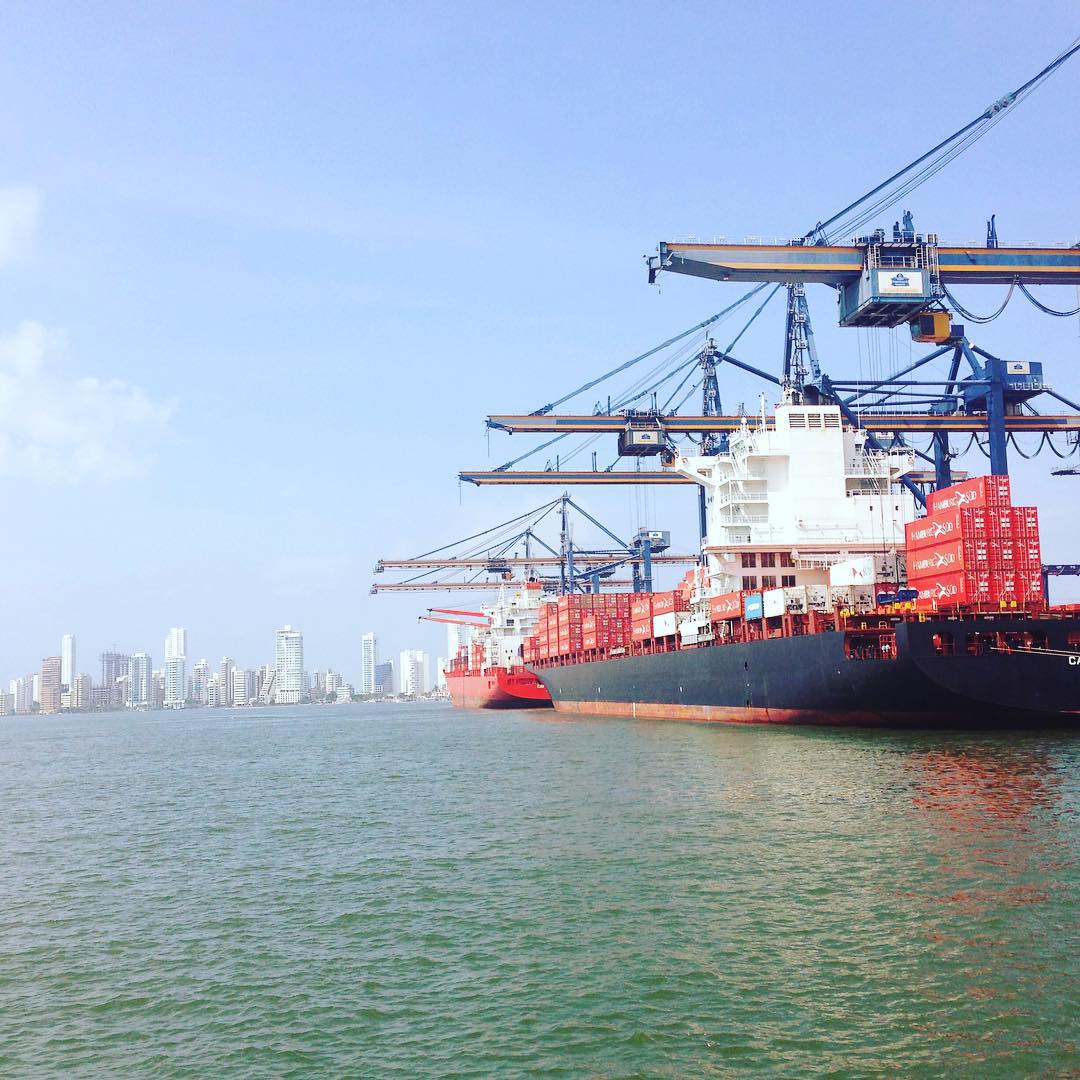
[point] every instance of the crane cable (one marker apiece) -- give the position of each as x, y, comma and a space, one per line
966, 135
971, 316
650, 352
1042, 307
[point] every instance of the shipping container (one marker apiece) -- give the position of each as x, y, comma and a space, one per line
668, 601
773, 603
664, 625
989, 491
641, 631
840, 596
752, 606
727, 606
795, 601
1025, 522
951, 525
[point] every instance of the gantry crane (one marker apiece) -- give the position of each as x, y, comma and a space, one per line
883, 278
494, 552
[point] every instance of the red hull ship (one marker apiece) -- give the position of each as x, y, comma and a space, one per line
496, 688
488, 673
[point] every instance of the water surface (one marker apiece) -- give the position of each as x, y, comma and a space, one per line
413, 891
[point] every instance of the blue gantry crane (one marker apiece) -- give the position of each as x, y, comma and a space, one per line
883, 278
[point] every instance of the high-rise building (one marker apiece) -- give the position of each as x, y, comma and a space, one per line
334, 682
289, 666
50, 685
7, 703
384, 677
413, 672
82, 691
175, 683
267, 679
440, 673
369, 661
67, 661
176, 643
23, 689
141, 686
200, 679
225, 680
114, 667
213, 691
175, 668
245, 687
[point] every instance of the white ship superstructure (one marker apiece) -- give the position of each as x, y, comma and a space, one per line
786, 502
512, 618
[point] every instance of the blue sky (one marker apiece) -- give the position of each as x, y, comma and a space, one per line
266, 268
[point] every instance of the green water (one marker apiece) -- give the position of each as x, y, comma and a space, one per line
410, 891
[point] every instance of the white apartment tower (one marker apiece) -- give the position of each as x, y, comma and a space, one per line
225, 680
413, 673
141, 686
175, 668
289, 666
369, 658
244, 686
67, 662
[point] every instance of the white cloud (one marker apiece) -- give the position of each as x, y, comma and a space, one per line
58, 428
19, 207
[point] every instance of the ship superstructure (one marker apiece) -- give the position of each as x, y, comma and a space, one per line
791, 498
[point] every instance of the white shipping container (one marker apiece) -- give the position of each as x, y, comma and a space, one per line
839, 596
867, 570
864, 598
772, 603
664, 625
817, 598
693, 634
795, 600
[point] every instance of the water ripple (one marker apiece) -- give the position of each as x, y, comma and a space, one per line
410, 891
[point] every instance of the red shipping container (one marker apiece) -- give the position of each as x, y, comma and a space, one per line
641, 631
641, 607
940, 559
728, 606
669, 601
1021, 586
1025, 522
950, 590
968, 524
588, 641
988, 491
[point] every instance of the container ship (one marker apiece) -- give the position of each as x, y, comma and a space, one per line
824, 598
487, 672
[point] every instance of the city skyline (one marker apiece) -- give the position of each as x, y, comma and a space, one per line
132, 681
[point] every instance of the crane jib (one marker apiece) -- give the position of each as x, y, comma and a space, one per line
839, 265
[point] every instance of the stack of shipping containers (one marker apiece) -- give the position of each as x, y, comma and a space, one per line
975, 549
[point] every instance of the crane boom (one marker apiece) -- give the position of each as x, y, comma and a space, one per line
879, 423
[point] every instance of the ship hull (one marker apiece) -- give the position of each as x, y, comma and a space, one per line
497, 688
811, 680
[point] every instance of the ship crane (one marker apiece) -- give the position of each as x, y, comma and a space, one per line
576, 568
883, 278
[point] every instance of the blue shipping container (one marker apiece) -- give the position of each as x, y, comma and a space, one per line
752, 606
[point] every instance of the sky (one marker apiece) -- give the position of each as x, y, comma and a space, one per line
266, 268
